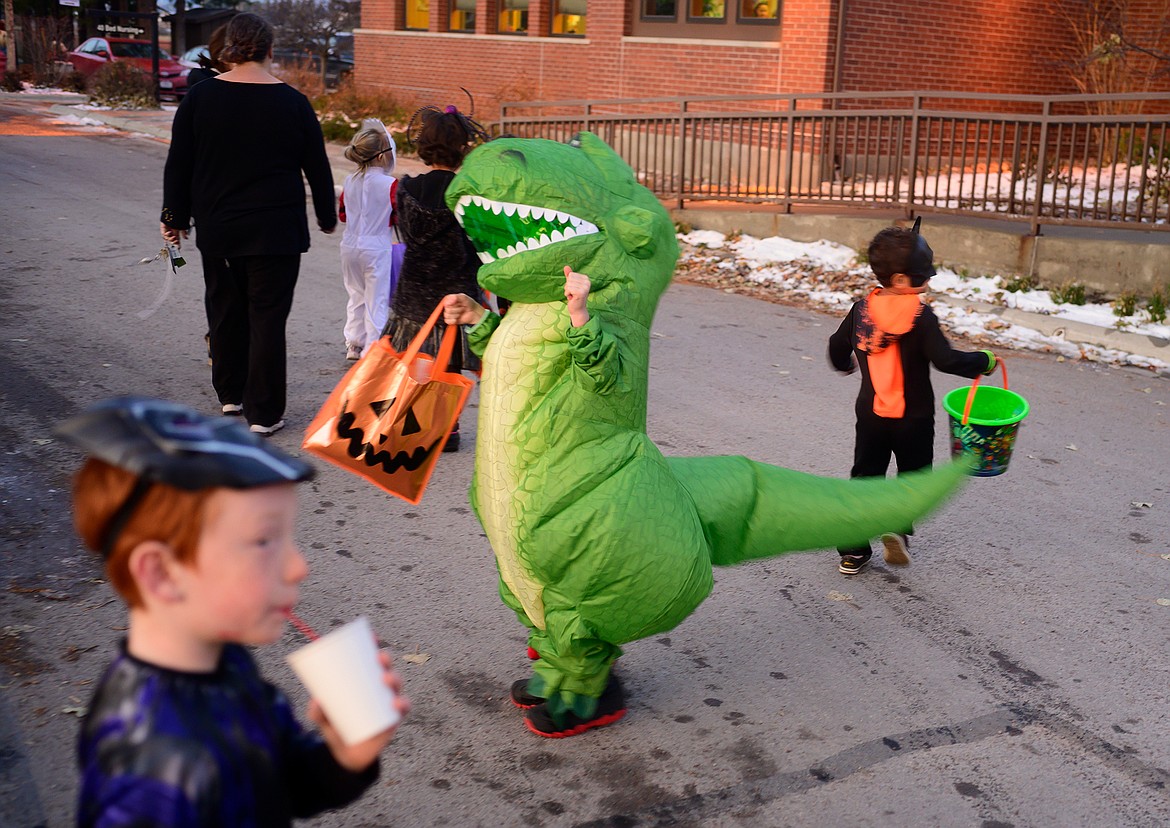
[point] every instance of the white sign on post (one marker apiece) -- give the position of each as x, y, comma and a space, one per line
75, 3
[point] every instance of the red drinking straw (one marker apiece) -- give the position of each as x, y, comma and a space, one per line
304, 628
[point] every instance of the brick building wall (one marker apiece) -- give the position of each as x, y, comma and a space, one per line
995, 47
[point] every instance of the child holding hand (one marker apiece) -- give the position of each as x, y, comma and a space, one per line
194, 517
366, 207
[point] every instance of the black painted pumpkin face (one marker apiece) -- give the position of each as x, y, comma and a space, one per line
387, 421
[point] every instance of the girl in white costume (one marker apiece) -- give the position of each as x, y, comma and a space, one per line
367, 208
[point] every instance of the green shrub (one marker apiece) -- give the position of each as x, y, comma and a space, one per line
11, 82
1156, 305
1019, 284
341, 112
1125, 304
682, 228
1070, 293
122, 85
72, 81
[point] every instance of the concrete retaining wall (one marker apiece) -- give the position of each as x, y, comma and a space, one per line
1110, 261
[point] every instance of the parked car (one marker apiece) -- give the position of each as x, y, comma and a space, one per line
191, 57
338, 63
96, 52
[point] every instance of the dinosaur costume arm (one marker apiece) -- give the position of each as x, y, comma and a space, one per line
479, 333
596, 357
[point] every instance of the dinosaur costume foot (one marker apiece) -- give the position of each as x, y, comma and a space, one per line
522, 698
610, 707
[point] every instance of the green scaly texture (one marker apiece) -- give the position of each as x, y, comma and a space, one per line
599, 539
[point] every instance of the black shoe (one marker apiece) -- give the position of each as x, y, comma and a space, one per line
452, 443
522, 698
852, 564
610, 707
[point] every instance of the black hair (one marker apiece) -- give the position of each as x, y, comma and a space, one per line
444, 136
898, 250
248, 39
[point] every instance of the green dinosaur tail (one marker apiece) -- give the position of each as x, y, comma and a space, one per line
752, 510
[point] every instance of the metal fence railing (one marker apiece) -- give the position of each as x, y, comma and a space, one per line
1083, 160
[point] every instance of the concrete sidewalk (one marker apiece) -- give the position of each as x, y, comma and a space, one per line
157, 123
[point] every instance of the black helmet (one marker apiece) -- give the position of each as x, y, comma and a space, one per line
920, 263
164, 442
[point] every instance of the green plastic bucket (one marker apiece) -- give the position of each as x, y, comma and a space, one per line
984, 423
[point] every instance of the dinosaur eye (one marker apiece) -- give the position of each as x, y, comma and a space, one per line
516, 154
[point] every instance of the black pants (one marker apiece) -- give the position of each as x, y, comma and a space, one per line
910, 441
248, 299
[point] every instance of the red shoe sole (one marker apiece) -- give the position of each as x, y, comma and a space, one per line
581, 728
525, 706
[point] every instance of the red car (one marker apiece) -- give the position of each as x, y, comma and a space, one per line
97, 51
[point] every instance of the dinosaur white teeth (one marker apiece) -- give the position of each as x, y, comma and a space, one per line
570, 233
557, 236
524, 210
509, 209
496, 207
563, 218
486, 258
501, 253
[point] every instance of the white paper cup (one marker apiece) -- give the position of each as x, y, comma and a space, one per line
342, 672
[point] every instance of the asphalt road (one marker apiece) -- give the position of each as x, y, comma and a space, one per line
1016, 674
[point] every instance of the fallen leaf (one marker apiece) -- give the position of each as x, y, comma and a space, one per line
76, 710
417, 658
1163, 602
839, 596
1138, 504
42, 441
1071, 447
1145, 390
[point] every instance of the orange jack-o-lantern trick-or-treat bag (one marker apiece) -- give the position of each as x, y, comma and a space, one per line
389, 418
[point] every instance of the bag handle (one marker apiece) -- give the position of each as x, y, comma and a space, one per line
446, 346
975, 382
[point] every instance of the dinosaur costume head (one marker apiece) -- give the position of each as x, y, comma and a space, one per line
532, 206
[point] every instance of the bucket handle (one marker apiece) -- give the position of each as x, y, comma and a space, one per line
975, 382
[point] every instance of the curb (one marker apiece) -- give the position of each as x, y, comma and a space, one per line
1080, 333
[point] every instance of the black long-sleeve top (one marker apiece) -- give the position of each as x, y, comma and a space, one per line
237, 155
165, 749
920, 347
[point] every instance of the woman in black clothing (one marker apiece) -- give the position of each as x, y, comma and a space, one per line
439, 257
239, 145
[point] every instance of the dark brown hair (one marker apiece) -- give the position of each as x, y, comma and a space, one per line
248, 39
444, 136
166, 514
896, 250
214, 58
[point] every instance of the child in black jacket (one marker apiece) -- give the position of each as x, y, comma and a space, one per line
894, 337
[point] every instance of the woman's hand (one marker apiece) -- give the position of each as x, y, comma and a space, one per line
172, 236
576, 293
358, 757
461, 309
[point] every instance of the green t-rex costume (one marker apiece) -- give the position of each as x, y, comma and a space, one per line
599, 539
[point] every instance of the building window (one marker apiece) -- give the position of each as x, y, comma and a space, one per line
462, 16
662, 9
418, 14
759, 11
513, 17
706, 10
568, 17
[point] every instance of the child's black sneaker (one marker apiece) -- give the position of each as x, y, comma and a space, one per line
896, 549
522, 698
610, 707
852, 564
